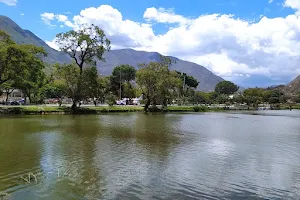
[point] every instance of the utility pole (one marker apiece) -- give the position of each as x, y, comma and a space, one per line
183, 87
120, 85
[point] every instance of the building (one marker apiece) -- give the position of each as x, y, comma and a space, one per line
15, 95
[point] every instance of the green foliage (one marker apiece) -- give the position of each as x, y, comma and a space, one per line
123, 74
189, 81
70, 78
222, 98
226, 87
90, 83
55, 89
157, 83
276, 96
198, 97
18, 61
78, 86
84, 45
200, 108
110, 99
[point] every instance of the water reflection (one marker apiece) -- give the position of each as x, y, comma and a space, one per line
156, 156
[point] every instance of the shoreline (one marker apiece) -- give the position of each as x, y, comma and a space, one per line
56, 110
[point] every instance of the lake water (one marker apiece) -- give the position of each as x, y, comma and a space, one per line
249, 155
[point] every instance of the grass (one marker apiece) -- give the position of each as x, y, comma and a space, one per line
41, 109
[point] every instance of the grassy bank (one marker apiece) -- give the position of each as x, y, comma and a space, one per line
27, 110
31, 110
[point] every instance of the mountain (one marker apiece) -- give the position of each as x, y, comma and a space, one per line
294, 86
22, 36
113, 58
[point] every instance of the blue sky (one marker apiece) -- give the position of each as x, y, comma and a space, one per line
134, 10
236, 39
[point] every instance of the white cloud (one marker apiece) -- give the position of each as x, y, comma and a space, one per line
47, 17
9, 2
52, 44
295, 4
228, 46
61, 18
164, 16
22, 14
271, 1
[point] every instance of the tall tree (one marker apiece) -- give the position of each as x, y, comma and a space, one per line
120, 75
16, 60
84, 45
226, 87
157, 83
188, 80
69, 76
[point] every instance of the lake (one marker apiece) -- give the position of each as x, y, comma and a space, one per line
236, 155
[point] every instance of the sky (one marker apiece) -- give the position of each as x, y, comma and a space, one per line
252, 43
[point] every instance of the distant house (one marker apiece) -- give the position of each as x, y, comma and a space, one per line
15, 95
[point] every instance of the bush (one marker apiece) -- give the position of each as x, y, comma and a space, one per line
111, 100
200, 108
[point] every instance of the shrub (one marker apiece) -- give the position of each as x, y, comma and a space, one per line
111, 100
200, 108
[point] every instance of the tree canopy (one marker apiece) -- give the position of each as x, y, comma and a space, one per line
226, 87
84, 45
157, 83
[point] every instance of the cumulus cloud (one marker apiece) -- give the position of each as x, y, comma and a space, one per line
295, 4
230, 47
47, 18
9, 2
53, 44
164, 16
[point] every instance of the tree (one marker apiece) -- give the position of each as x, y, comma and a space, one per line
16, 60
70, 77
121, 74
33, 78
157, 83
187, 80
254, 95
226, 87
55, 89
83, 46
90, 84
7, 88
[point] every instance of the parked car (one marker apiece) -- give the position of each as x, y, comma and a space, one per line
12, 103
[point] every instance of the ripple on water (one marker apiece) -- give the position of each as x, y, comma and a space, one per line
136, 156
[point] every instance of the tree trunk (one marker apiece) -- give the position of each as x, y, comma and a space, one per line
7, 94
73, 106
146, 109
30, 100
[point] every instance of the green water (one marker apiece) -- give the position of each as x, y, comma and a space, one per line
152, 156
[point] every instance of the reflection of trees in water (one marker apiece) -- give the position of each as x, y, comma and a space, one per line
157, 134
150, 139
19, 149
78, 150
65, 155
